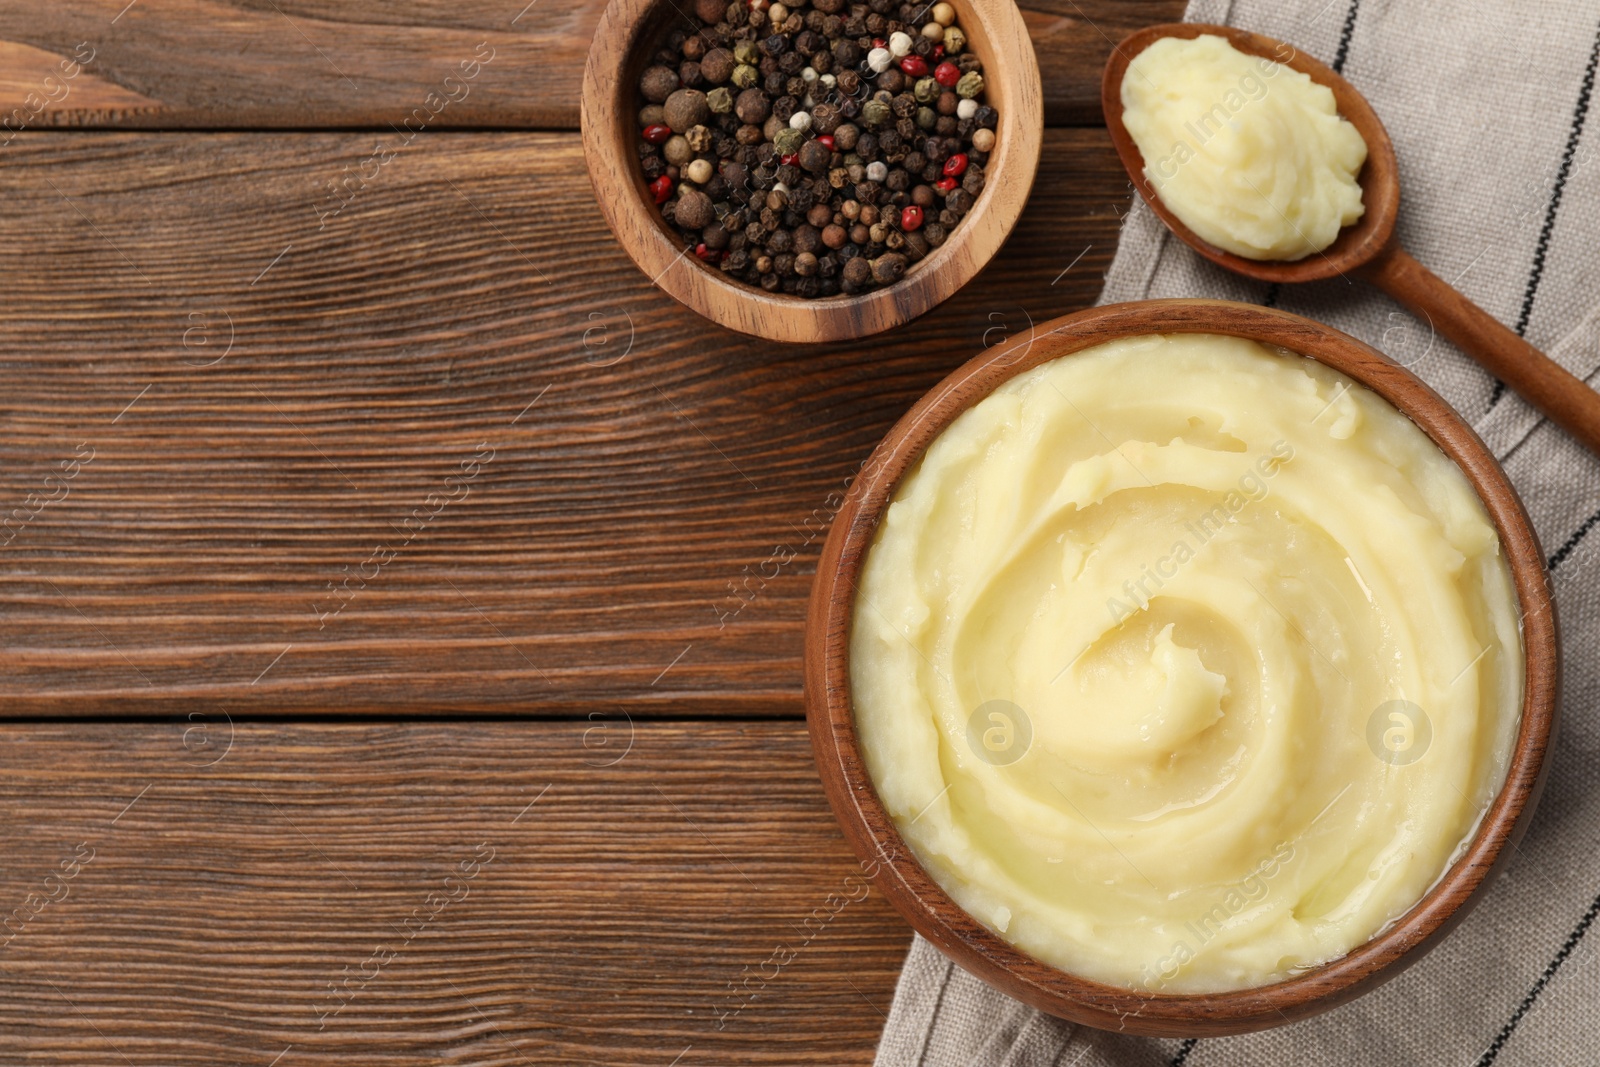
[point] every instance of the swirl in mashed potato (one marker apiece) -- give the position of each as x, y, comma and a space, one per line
1185, 664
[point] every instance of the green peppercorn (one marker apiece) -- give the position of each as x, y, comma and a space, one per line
927, 118
970, 85
745, 76
927, 90
787, 141
720, 100
875, 113
747, 52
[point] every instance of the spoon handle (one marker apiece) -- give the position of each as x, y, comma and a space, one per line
1560, 395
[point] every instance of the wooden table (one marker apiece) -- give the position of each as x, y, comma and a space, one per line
402, 599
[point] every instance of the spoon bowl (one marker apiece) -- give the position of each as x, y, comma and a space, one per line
1367, 248
1357, 244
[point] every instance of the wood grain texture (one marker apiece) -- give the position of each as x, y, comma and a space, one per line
201, 913
643, 535
925, 904
996, 34
320, 63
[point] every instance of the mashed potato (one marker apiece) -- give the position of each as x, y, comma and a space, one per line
1250, 154
1185, 664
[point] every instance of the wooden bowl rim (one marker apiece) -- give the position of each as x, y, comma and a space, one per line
920, 899
606, 108
1356, 245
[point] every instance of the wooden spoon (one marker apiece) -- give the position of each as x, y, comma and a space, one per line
1367, 248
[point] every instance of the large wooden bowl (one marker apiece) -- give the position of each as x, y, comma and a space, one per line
930, 910
628, 32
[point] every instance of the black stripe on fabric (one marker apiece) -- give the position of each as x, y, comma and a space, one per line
1574, 134
1491, 1053
1344, 37
1183, 1052
1560, 554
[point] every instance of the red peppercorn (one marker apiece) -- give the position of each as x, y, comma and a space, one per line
702, 251
789, 160
911, 218
657, 133
826, 141
879, 42
944, 185
938, 51
914, 66
947, 74
661, 189
956, 165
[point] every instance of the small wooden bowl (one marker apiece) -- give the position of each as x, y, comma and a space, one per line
610, 105
930, 910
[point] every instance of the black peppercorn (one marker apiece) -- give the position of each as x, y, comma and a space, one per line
815, 157
888, 268
695, 210
811, 205
658, 83
752, 107
716, 66
686, 108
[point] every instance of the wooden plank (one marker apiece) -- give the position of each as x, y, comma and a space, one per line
323, 63
472, 893
432, 472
